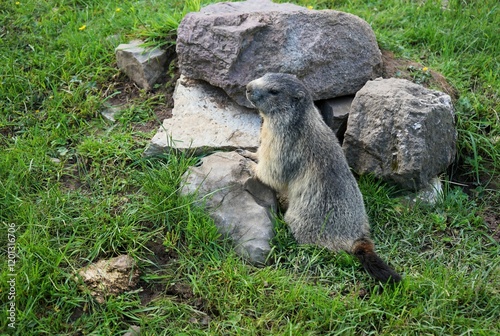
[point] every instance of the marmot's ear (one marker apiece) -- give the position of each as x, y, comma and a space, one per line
299, 95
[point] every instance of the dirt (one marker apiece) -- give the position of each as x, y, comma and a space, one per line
406, 69
492, 219
160, 255
182, 292
6, 133
72, 177
122, 92
150, 291
178, 291
70, 182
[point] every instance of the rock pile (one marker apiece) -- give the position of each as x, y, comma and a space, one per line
397, 130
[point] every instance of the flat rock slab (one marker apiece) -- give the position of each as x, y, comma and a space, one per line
205, 119
241, 207
401, 132
231, 43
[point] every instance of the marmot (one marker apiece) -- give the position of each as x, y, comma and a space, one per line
299, 155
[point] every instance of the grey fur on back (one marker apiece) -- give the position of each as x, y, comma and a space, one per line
300, 156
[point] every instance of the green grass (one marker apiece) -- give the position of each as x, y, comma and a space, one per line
78, 189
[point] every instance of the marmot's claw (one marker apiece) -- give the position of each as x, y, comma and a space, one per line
247, 154
246, 165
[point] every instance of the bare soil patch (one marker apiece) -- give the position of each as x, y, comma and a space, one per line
160, 256
492, 219
150, 291
412, 71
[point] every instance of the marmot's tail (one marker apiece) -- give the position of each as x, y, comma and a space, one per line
364, 250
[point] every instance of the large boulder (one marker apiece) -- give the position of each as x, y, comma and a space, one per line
240, 206
204, 119
401, 132
230, 44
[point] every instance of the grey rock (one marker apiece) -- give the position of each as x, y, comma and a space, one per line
111, 111
203, 321
144, 66
335, 112
205, 119
221, 183
401, 132
230, 44
133, 331
429, 195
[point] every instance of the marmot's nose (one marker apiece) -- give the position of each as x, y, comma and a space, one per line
252, 93
249, 87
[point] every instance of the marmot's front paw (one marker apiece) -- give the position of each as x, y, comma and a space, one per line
247, 154
248, 166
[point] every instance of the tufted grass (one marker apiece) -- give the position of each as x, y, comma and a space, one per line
76, 189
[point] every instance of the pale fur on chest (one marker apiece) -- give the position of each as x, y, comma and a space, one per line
268, 154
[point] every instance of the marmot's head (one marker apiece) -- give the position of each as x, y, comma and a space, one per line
278, 94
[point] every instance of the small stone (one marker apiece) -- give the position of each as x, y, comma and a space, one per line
114, 39
205, 320
335, 112
144, 66
429, 195
108, 277
133, 331
110, 112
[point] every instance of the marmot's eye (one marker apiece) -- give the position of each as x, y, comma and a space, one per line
273, 91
